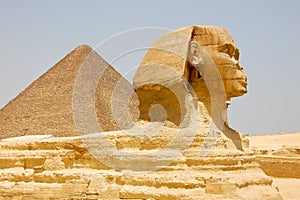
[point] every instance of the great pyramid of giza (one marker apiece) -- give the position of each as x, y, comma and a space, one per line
45, 107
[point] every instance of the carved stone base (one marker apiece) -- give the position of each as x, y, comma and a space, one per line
62, 168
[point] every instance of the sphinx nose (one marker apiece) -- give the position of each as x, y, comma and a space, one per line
245, 77
241, 73
240, 67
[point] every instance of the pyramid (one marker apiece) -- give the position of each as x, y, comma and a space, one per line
47, 107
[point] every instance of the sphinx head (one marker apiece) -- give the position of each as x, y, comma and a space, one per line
182, 56
220, 47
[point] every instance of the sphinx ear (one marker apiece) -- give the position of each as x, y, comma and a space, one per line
195, 53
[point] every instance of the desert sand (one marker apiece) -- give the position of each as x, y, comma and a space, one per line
275, 140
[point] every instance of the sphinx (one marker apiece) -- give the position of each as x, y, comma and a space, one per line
204, 60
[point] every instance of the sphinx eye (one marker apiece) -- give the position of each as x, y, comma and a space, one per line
225, 49
237, 54
228, 49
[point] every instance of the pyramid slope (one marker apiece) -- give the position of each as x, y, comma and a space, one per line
45, 107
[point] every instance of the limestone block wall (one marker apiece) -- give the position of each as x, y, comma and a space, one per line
45, 167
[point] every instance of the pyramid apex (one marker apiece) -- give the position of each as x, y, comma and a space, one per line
84, 47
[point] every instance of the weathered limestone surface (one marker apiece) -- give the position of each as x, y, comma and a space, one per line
62, 168
280, 166
278, 155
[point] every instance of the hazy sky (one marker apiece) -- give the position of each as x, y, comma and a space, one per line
36, 34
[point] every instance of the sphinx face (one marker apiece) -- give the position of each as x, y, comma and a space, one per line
220, 47
226, 57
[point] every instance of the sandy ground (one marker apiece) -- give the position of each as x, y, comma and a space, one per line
275, 140
289, 188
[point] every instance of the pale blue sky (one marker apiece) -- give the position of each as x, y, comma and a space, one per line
36, 34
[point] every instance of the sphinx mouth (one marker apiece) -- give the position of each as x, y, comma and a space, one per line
243, 82
243, 87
